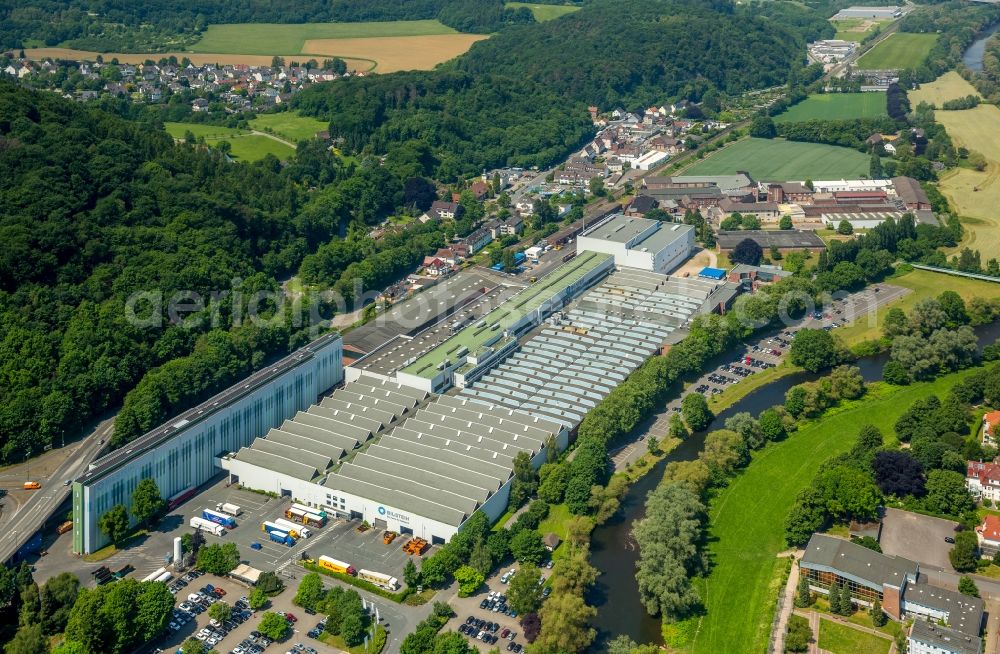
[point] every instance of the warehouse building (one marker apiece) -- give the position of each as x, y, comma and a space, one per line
639, 242
479, 346
185, 453
397, 457
582, 354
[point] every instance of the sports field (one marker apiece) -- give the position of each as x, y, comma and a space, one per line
838, 639
289, 125
835, 106
924, 284
543, 13
899, 50
975, 195
288, 39
747, 518
245, 146
777, 160
949, 86
855, 29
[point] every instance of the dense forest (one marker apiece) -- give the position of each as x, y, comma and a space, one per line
987, 81
95, 208
520, 97
161, 25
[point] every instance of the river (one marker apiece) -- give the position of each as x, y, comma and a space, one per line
613, 551
973, 56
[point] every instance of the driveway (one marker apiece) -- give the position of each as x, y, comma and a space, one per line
917, 537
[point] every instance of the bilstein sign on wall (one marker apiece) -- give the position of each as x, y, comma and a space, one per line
401, 517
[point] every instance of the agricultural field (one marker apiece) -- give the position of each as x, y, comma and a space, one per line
245, 145
838, 639
835, 106
855, 29
543, 13
747, 517
394, 53
899, 50
197, 59
289, 125
924, 284
975, 195
289, 39
949, 86
777, 160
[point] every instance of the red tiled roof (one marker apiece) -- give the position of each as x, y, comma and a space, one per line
988, 474
990, 529
993, 417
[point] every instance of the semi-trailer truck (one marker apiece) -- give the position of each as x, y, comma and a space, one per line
229, 509
309, 509
207, 525
268, 527
218, 518
298, 515
281, 537
314, 520
294, 530
334, 565
386, 582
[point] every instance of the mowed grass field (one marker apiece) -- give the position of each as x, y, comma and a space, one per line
835, 106
923, 284
949, 86
777, 160
245, 146
838, 639
975, 195
543, 13
747, 518
288, 39
289, 125
899, 50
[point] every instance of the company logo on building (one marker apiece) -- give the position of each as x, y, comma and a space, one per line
401, 517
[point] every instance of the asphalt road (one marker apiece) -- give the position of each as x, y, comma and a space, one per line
35, 507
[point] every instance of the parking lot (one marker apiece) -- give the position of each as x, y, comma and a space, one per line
190, 620
917, 537
490, 616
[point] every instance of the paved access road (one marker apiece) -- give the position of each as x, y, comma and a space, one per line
34, 508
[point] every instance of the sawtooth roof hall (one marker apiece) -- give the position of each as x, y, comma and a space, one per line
397, 457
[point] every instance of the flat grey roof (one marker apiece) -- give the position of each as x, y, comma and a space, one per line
767, 238
861, 564
620, 228
965, 613
944, 639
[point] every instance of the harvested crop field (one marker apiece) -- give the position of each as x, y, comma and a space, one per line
949, 86
197, 59
975, 195
835, 106
394, 53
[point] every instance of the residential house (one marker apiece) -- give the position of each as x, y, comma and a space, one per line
988, 535
991, 428
477, 240
199, 104
436, 267
641, 205
480, 190
983, 480
442, 210
513, 226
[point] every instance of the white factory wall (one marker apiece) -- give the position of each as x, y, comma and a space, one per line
189, 458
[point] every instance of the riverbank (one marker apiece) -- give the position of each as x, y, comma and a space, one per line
747, 516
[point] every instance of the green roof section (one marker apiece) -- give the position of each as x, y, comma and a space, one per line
507, 314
